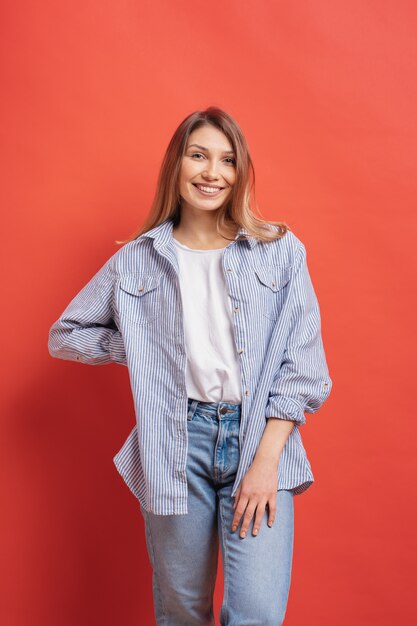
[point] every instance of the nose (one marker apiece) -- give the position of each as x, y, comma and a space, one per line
211, 170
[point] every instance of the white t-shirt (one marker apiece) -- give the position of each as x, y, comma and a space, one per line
213, 366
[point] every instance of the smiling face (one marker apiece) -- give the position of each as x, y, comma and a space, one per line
208, 169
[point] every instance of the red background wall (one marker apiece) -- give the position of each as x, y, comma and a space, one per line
92, 91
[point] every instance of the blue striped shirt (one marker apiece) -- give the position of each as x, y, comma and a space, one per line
130, 313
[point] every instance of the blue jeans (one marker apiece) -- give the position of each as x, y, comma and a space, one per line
183, 549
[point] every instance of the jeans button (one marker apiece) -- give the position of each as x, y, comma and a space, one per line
223, 410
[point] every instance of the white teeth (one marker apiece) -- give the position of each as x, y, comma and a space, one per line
208, 189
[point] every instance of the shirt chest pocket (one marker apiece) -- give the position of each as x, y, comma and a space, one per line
270, 284
139, 298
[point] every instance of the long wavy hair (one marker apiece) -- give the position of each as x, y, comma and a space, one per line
238, 210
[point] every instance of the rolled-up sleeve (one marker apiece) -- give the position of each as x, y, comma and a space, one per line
302, 383
86, 331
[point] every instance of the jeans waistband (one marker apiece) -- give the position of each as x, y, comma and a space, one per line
218, 410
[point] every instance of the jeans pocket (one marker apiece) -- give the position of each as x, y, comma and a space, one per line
202, 418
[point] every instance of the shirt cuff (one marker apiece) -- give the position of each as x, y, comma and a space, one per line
116, 348
286, 409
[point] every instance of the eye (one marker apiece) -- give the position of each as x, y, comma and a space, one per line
230, 160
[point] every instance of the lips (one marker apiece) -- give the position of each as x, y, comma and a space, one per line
203, 189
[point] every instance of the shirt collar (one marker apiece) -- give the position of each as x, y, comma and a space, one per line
162, 233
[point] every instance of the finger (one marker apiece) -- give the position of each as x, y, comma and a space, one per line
272, 511
250, 510
260, 510
240, 509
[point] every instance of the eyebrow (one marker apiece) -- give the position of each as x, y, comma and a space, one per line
207, 150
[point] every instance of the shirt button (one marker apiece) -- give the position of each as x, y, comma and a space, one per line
241, 351
247, 392
229, 270
236, 309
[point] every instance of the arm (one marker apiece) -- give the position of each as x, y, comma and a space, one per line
302, 383
273, 441
86, 331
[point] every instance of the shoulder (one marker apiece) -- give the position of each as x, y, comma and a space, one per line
129, 258
285, 250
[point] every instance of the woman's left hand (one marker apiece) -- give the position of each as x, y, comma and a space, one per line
257, 489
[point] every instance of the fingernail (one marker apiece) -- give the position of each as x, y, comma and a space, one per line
255, 532
234, 528
243, 533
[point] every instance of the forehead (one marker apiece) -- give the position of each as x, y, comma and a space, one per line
210, 137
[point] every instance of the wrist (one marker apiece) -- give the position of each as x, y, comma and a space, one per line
268, 457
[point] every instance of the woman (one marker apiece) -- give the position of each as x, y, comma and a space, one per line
213, 311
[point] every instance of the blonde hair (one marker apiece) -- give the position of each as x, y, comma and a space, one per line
237, 211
